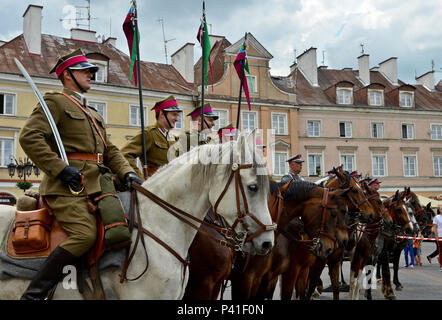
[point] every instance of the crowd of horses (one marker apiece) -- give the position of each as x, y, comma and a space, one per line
318, 224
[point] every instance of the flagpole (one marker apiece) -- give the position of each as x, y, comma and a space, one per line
140, 92
240, 87
203, 70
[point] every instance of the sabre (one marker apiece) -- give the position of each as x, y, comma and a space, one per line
48, 115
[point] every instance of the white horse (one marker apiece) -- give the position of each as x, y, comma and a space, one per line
193, 184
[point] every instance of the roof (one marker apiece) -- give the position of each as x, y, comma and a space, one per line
306, 94
155, 76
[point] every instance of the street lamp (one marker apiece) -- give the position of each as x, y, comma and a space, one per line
24, 168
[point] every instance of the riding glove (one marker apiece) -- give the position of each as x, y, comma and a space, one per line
132, 177
70, 176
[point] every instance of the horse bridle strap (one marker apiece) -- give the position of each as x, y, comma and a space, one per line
240, 188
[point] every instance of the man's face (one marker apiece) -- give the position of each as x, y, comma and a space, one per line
375, 186
172, 116
295, 167
208, 123
83, 78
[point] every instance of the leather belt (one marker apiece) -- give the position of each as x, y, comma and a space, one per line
95, 157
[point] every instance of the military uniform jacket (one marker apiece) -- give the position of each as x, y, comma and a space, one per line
195, 137
157, 147
291, 176
78, 134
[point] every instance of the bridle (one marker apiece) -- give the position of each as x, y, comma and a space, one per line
239, 189
323, 212
232, 239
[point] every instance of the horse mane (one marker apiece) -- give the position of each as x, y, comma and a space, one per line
206, 159
274, 186
299, 191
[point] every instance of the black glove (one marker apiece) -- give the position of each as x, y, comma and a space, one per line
132, 177
70, 176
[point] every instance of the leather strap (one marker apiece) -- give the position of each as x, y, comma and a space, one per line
95, 157
89, 116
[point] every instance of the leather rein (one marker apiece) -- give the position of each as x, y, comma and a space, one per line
232, 239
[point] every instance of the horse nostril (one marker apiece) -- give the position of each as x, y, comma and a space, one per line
267, 245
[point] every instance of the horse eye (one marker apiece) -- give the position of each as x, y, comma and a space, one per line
253, 187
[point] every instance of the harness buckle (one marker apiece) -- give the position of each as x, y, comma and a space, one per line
99, 158
235, 166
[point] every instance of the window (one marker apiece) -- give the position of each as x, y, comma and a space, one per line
407, 131
101, 108
436, 132
345, 129
409, 166
437, 163
223, 119
135, 119
6, 151
249, 120
279, 123
252, 83
406, 99
101, 74
179, 124
7, 104
344, 96
313, 128
378, 165
377, 130
375, 98
314, 164
348, 160
280, 163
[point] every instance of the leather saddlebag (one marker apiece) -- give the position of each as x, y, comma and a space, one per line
31, 230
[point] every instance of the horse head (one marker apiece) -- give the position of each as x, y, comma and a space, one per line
399, 213
242, 180
357, 201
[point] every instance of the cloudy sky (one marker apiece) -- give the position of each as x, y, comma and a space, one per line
408, 29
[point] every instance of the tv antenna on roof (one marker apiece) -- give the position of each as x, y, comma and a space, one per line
79, 15
323, 57
161, 20
362, 48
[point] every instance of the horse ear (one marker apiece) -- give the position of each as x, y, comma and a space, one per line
429, 205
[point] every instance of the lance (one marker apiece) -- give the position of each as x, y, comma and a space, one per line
140, 92
48, 114
240, 86
203, 70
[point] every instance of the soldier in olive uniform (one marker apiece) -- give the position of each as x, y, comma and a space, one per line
193, 135
295, 164
90, 154
158, 139
227, 133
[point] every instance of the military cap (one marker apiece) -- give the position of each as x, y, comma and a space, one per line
208, 112
168, 104
296, 158
260, 143
373, 181
227, 131
74, 61
355, 174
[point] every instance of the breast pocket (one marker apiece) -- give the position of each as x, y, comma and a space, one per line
75, 124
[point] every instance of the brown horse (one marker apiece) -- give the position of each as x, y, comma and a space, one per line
358, 204
211, 263
319, 210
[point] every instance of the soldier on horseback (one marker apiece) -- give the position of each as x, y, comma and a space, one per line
194, 135
91, 155
295, 164
158, 137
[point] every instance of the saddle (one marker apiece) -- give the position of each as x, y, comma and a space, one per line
24, 228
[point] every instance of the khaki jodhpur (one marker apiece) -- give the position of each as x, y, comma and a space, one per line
73, 215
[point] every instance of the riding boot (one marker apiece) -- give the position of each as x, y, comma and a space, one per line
49, 275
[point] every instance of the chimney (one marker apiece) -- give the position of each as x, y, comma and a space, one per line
213, 39
112, 41
308, 65
427, 80
32, 28
182, 60
83, 35
364, 69
389, 69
